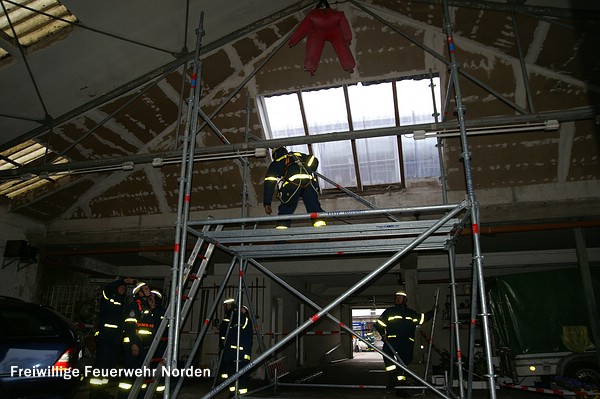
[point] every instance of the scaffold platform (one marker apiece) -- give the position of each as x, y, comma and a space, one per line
383, 237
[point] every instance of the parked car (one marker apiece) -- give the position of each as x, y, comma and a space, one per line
39, 352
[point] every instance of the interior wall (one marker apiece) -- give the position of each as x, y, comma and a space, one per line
19, 278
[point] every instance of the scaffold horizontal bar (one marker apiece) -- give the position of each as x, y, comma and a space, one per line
417, 210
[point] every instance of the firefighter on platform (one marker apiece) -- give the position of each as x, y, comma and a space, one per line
138, 333
236, 351
109, 332
397, 325
292, 173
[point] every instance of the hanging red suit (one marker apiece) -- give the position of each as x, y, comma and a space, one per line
325, 25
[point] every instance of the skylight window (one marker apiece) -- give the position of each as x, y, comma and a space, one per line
369, 105
32, 21
21, 155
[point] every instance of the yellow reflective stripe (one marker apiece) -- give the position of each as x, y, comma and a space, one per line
109, 299
243, 390
126, 340
247, 357
311, 160
270, 178
401, 377
391, 318
110, 325
160, 388
300, 176
381, 323
392, 336
227, 320
124, 385
245, 324
130, 320
231, 389
96, 381
224, 375
144, 332
390, 368
412, 339
422, 318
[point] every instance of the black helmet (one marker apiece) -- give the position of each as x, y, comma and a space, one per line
278, 152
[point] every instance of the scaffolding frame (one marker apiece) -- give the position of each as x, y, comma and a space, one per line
421, 237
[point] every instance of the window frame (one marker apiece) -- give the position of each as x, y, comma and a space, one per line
360, 186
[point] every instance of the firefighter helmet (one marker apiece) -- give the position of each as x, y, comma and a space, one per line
402, 293
279, 152
138, 287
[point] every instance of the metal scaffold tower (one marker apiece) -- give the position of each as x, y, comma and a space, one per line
398, 236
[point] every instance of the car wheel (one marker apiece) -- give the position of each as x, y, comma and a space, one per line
584, 373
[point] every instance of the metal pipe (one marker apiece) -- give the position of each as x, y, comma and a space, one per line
435, 312
522, 63
318, 215
455, 322
575, 114
182, 214
475, 221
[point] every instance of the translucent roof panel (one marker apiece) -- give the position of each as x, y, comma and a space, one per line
20, 155
32, 21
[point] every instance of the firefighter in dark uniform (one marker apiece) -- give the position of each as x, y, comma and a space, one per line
109, 332
397, 326
138, 333
292, 173
234, 357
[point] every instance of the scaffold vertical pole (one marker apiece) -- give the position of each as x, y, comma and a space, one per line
475, 222
183, 207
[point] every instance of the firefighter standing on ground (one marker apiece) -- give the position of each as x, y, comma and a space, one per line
137, 334
234, 356
292, 173
110, 328
397, 326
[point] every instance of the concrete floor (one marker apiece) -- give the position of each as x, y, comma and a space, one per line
361, 377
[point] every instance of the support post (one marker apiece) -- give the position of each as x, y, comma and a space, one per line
475, 222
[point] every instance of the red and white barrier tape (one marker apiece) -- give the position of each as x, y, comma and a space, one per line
552, 391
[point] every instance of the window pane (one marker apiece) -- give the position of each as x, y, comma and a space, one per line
325, 110
415, 106
336, 163
283, 116
378, 160
325, 113
415, 102
372, 106
420, 158
285, 119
